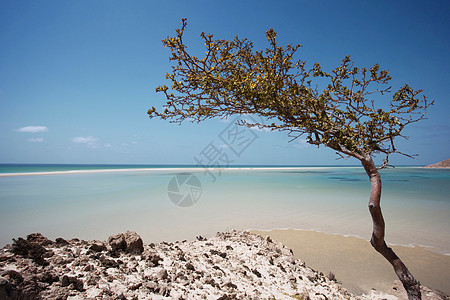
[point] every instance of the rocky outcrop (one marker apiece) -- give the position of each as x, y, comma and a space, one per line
130, 242
445, 164
231, 265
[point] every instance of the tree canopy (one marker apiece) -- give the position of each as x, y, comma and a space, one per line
233, 78
336, 109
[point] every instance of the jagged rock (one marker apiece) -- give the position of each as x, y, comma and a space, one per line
74, 282
257, 273
129, 242
88, 268
38, 238
162, 274
91, 279
152, 286
5, 257
226, 297
109, 263
97, 247
56, 293
34, 251
211, 282
231, 285
20, 247
61, 242
135, 286
117, 242
331, 276
190, 267
58, 260
29, 290
221, 254
232, 265
47, 277
152, 257
13, 276
7, 290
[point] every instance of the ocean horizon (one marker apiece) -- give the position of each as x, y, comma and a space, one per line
38, 167
177, 202
33, 167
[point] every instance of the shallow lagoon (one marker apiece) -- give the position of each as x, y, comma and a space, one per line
95, 205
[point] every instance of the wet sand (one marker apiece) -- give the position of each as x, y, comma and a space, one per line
357, 265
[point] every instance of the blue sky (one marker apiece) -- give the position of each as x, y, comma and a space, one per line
77, 77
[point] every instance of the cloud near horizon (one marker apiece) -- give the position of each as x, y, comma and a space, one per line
90, 141
36, 140
32, 129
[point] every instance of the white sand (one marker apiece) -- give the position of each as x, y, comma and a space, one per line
193, 169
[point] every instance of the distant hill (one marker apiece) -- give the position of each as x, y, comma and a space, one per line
442, 164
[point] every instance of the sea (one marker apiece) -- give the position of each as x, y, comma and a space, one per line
180, 202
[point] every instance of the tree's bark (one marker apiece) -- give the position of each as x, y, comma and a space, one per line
411, 285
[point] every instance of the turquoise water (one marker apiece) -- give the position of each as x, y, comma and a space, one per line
415, 202
30, 168
37, 168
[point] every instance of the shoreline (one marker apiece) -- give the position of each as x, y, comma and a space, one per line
441, 168
183, 169
357, 265
343, 235
189, 169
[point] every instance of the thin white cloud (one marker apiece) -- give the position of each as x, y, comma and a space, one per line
36, 140
32, 129
90, 141
84, 139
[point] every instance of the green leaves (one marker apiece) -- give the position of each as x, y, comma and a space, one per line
233, 78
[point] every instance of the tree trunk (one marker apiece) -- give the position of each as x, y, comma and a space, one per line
411, 285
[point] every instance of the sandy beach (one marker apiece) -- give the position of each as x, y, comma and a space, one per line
356, 264
156, 170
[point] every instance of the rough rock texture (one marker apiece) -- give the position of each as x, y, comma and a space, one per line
129, 242
231, 265
445, 164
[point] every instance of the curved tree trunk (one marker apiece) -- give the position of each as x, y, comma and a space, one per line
411, 285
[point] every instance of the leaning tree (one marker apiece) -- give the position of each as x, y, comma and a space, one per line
335, 109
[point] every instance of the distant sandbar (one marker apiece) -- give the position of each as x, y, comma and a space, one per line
188, 169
